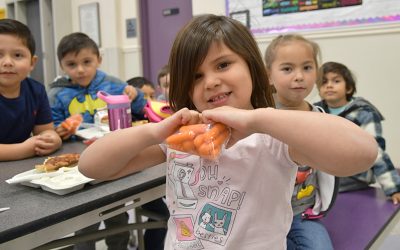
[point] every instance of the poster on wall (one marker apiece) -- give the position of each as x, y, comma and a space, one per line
279, 16
273, 7
89, 21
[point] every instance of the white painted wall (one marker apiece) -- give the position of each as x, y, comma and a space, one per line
371, 52
62, 11
131, 47
121, 55
109, 32
216, 7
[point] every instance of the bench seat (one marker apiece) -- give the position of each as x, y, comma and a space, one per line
358, 217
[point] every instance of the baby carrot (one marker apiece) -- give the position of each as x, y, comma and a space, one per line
214, 132
199, 140
66, 125
208, 151
179, 138
220, 139
188, 146
205, 149
72, 122
196, 128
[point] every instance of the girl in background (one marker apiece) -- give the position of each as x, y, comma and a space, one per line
241, 200
292, 65
337, 87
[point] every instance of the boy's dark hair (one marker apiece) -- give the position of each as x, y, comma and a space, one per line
340, 69
191, 46
74, 43
20, 30
139, 82
163, 72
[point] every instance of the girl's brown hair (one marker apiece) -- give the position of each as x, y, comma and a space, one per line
270, 53
191, 47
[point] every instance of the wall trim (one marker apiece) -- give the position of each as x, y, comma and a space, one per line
365, 30
131, 49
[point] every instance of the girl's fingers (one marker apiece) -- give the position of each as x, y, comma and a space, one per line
189, 116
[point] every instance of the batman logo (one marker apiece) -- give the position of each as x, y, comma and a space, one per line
90, 105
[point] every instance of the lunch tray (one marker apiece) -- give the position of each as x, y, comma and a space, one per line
69, 180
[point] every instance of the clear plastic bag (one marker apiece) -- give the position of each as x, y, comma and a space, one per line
205, 140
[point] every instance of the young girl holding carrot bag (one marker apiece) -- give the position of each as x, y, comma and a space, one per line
204, 140
242, 200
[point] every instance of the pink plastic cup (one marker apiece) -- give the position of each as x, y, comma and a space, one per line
119, 110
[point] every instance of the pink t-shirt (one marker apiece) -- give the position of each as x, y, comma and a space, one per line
241, 201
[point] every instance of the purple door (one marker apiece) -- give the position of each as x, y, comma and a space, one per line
160, 22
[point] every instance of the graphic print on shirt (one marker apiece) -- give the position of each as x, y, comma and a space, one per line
181, 175
305, 189
214, 223
206, 195
90, 105
185, 234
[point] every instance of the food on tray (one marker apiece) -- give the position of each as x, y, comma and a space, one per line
205, 140
72, 123
104, 119
56, 162
101, 116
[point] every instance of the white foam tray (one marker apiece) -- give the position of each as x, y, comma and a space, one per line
69, 181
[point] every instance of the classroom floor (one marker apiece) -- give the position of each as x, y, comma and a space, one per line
391, 238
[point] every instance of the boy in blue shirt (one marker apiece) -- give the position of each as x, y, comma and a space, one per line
24, 106
76, 93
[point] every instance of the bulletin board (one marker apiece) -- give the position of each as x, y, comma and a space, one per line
89, 21
279, 16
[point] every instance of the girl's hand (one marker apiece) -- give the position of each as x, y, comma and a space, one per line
238, 120
171, 124
396, 198
131, 92
47, 143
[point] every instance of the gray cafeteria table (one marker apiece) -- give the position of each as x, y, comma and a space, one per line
37, 217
